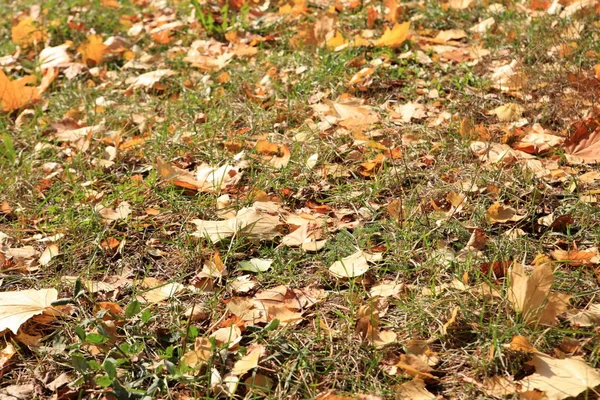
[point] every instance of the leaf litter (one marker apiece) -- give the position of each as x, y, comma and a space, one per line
228, 190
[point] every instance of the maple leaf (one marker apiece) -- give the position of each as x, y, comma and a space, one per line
25, 33
92, 50
15, 94
531, 296
16, 307
396, 36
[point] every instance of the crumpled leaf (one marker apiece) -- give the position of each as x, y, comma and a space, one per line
559, 379
16, 307
207, 178
253, 222
354, 265
121, 212
200, 355
411, 110
531, 296
577, 257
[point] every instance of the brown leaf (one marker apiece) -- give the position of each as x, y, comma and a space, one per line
530, 295
583, 146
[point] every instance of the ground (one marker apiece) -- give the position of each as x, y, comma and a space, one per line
322, 199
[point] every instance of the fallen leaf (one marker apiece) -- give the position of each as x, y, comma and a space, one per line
200, 355
92, 50
26, 33
255, 265
498, 213
531, 296
158, 291
396, 36
459, 4
583, 145
250, 361
589, 317
410, 111
354, 265
15, 94
576, 257
147, 80
413, 390
252, 222
53, 57
48, 254
483, 26
559, 379
508, 112
5, 355
120, 213
498, 386
16, 307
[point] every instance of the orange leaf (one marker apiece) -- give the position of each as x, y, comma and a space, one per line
14, 94
267, 148
26, 33
92, 51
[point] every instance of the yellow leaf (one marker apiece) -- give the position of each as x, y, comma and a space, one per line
508, 112
14, 94
92, 51
250, 360
26, 33
497, 213
396, 36
18, 306
336, 41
